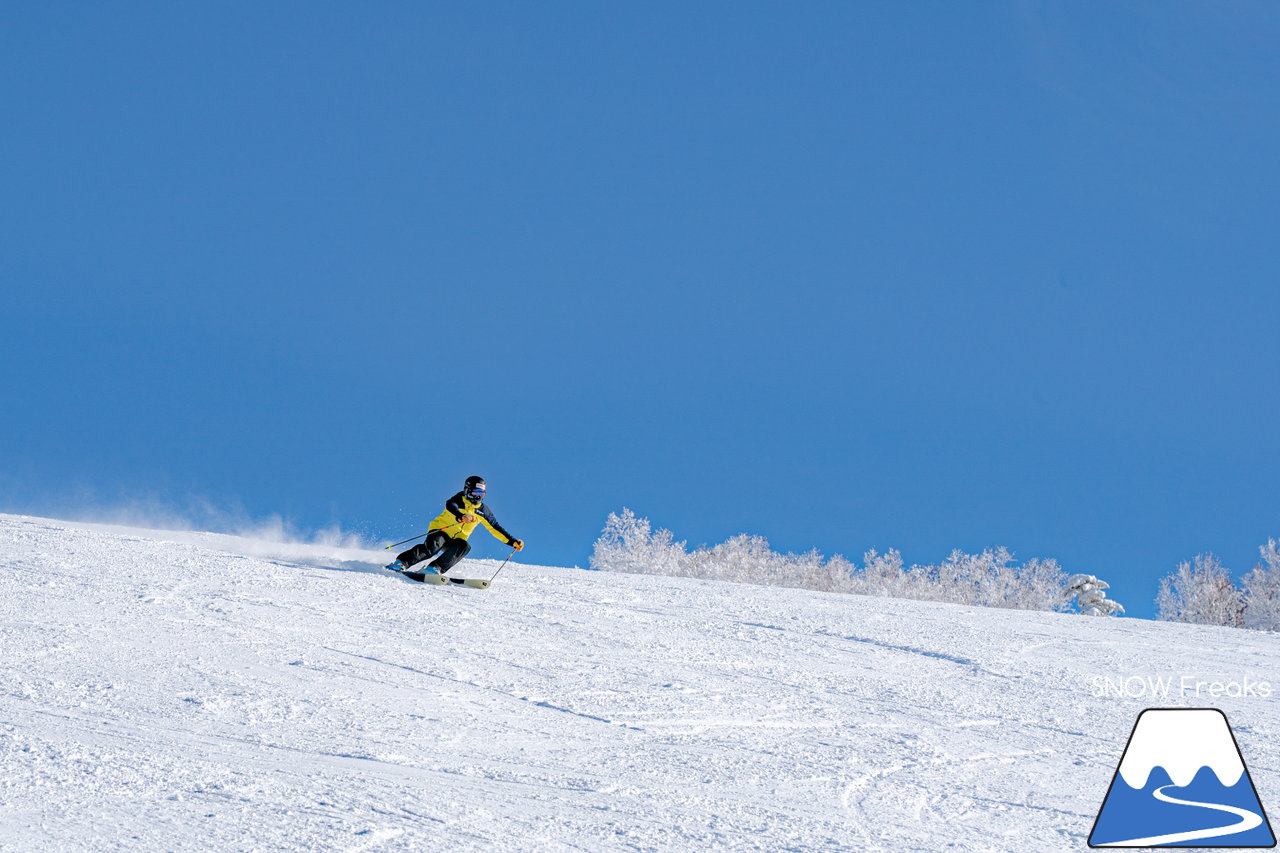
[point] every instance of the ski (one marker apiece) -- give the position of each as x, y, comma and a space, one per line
441, 580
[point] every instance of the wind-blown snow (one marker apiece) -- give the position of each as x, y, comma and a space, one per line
186, 692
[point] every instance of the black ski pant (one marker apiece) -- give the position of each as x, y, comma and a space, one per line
451, 551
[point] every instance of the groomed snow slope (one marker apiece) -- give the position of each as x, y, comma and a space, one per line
178, 692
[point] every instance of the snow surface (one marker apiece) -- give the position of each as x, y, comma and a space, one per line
178, 692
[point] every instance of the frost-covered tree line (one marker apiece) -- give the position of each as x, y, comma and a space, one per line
1203, 591
992, 578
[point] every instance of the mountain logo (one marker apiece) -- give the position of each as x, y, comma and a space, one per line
1182, 782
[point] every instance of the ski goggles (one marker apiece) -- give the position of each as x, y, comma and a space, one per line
476, 492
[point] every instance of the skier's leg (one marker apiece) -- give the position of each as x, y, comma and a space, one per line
435, 541
454, 550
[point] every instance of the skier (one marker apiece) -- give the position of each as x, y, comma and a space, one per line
450, 530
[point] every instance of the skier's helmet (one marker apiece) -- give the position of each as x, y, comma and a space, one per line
474, 488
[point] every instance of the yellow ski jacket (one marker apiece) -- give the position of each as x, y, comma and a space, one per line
460, 505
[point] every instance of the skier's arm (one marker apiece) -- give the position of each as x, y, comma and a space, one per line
454, 506
486, 515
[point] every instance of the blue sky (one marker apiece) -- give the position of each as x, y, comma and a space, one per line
849, 276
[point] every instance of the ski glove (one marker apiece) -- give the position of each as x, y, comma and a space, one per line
518, 544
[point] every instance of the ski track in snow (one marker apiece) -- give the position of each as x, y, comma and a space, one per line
182, 692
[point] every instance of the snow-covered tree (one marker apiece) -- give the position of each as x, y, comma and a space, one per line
744, 559
1089, 594
1262, 590
1040, 586
1201, 592
991, 578
882, 574
835, 575
628, 544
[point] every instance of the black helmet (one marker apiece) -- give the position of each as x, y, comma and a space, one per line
474, 488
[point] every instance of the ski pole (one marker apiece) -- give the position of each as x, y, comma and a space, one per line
402, 541
503, 566
419, 536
